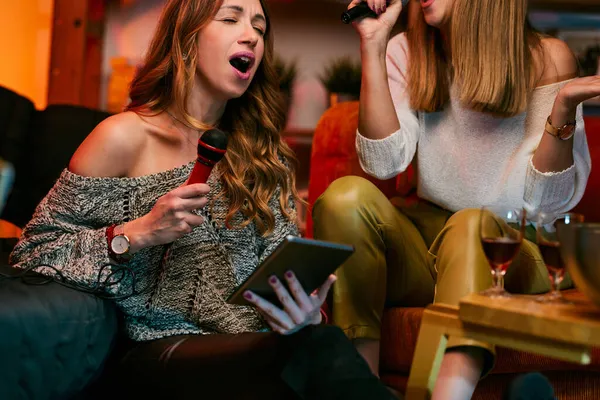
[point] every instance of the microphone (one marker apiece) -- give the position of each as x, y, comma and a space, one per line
362, 10
212, 146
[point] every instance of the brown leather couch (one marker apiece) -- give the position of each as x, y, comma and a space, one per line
334, 156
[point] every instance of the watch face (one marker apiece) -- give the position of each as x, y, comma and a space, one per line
120, 245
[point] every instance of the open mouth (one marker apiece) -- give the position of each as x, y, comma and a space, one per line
242, 62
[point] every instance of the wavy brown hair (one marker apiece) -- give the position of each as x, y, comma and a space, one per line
491, 63
258, 162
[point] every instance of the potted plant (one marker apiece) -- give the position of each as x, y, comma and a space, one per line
342, 79
590, 61
286, 71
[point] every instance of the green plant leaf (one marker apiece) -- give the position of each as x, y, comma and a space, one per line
342, 76
287, 72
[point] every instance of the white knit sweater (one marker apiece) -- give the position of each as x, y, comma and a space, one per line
467, 159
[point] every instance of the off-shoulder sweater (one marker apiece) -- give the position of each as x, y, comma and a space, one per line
467, 159
187, 293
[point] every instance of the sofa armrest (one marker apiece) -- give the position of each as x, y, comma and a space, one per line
54, 340
9, 230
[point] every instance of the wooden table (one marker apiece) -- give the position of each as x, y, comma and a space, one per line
565, 332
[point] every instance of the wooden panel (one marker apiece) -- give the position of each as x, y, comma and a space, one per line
67, 52
565, 5
92, 63
76, 53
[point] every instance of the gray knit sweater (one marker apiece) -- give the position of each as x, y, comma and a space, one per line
184, 295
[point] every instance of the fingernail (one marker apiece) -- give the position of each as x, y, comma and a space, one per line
273, 279
289, 274
247, 295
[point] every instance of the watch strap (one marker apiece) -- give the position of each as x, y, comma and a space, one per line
557, 132
111, 232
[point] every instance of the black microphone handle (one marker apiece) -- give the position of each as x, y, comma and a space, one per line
359, 11
362, 10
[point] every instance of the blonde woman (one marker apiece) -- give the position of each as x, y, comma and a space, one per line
210, 64
466, 95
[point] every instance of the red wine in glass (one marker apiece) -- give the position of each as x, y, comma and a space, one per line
500, 251
549, 245
501, 231
551, 255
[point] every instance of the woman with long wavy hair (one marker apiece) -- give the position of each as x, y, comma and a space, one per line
125, 199
489, 112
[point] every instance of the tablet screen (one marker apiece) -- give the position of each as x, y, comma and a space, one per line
312, 261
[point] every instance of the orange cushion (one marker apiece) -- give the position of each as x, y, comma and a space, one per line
334, 156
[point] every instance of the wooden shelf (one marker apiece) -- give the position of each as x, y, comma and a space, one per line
576, 6
298, 132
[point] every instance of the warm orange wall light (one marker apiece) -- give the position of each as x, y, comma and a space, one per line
25, 37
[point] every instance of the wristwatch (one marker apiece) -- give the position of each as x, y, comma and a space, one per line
118, 243
563, 133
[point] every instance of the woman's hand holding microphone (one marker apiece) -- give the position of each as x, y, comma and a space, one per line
171, 217
377, 29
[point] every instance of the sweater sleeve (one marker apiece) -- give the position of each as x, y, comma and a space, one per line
387, 157
67, 233
555, 192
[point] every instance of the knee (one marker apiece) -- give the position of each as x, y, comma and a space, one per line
465, 221
345, 195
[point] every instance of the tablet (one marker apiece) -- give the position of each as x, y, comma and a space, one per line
312, 261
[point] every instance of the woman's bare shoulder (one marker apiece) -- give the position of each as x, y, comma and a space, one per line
111, 148
556, 62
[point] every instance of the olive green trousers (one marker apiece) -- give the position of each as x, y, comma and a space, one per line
410, 255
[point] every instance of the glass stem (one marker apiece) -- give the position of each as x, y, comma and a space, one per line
555, 281
498, 279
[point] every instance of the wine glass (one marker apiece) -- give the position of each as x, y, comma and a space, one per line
580, 250
547, 240
501, 230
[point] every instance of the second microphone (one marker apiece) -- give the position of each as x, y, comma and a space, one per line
362, 10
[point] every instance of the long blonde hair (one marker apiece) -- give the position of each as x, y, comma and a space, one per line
491, 62
257, 161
